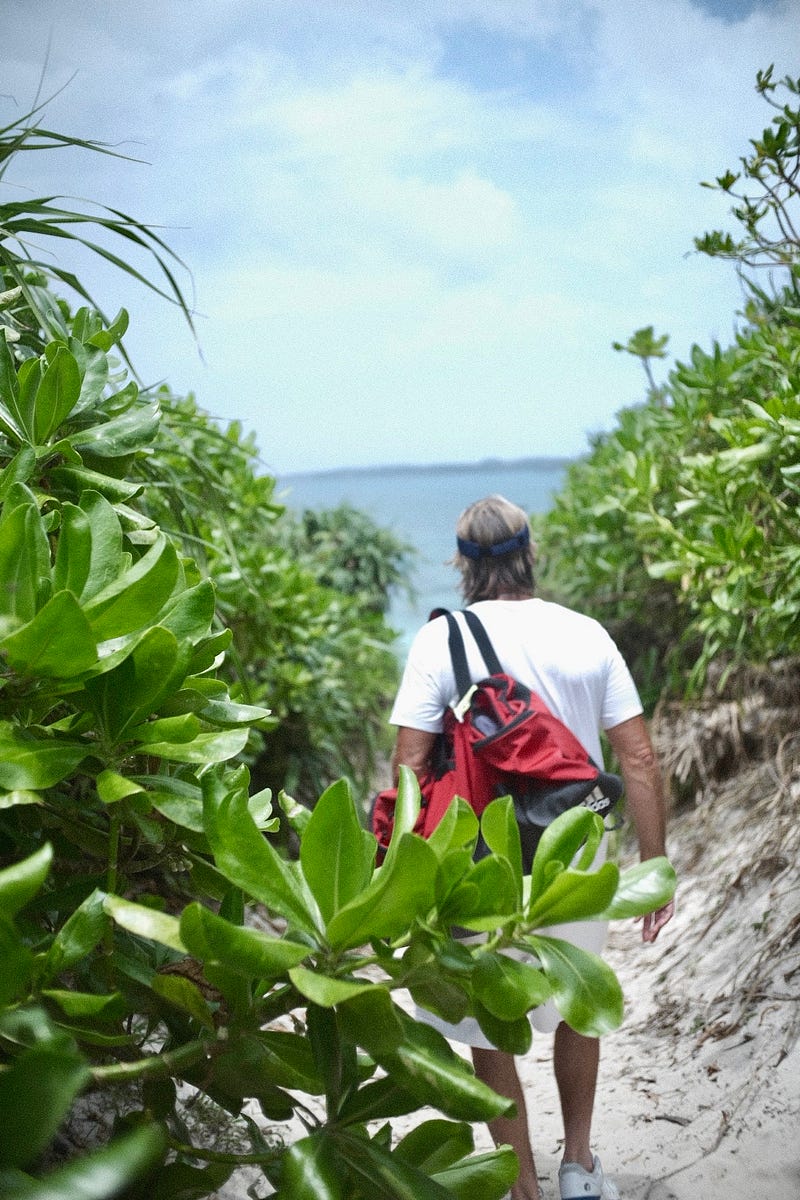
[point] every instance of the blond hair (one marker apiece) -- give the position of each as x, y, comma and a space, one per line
486, 523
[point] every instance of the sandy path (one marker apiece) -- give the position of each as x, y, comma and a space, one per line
674, 1120
680, 1114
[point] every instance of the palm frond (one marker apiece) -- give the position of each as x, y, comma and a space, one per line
44, 217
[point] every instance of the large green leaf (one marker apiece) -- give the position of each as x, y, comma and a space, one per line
243, 1070
585, 990
506, 987
380, 1173
79, 934
244, 856
291, 1060
18, 470
238, 947
406, 810
56, 395
20, 882
184, 994
106, 561
58, 643
93, 363
88, 1006
131, 430
24, 562
16, 964
437, 991
497, 896
129, 601
228, 713
189, 617
400, 892
371, 1019
574, 896
485, 1176
513, 1037
335, 1056
29, 377
32, 762
501, 834
177, 730
98, 1175
176, 799
311, 1169
642, 889
127, 695
36, 1093
326, 990
10, 419
73, 481
113, 787
436, 1144
204, 748
146, 922
210, 651
454, 868
74, 551
377, 1101
337, 855
427, 1066
576, 828
458, 829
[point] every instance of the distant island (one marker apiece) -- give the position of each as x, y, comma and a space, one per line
540, 462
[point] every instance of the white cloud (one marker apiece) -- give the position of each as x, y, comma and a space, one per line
406, 247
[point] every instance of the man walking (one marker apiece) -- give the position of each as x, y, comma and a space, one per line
573, 664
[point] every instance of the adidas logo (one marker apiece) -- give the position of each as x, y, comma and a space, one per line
596, 802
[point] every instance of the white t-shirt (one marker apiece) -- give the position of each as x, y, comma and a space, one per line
568, 658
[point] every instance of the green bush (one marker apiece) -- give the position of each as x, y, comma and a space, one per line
682, 523
680, 528
348, 552
319, 657
307, 642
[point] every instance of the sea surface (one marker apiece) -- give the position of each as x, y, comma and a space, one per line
421, 506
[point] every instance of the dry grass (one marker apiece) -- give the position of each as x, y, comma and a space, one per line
733, 762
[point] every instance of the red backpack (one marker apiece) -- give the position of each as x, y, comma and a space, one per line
499, 739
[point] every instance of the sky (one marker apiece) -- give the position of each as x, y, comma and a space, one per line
412, 228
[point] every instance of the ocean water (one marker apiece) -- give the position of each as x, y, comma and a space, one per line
421, 506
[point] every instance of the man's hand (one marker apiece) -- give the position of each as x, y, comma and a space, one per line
655, 921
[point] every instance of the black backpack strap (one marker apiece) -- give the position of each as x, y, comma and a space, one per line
458, 655
484, 645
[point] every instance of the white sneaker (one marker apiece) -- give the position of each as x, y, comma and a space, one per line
576, 1183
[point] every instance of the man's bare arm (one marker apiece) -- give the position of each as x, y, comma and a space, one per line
412, 749
644, 793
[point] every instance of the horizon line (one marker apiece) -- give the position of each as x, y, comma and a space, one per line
525, 461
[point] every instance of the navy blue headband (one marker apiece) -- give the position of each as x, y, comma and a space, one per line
473, 550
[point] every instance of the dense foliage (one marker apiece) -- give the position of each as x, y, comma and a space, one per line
680, 528
347, 552
309, 643
309, 638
